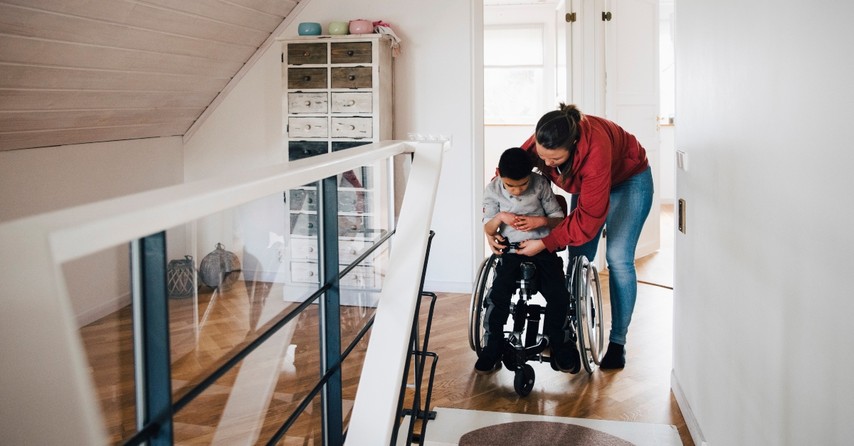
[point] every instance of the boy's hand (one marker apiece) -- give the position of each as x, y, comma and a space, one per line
507, 218
529, 223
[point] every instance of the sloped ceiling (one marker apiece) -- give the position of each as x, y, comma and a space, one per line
82, 71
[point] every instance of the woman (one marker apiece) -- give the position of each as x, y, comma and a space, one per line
607, 172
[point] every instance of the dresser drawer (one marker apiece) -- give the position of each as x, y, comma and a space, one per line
361, 277
351, 103
353, 225
304, 149
351, 52
355, 200
351, 77
306, 53
304, 249
304, 272
348, 225
349, 250
308, 102
307, 78
349, 200
352, 127
302, 200
304, 127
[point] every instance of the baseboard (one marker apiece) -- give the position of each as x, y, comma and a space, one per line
687, 413
104, 309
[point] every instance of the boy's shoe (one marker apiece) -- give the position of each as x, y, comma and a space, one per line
486, 366
615, 357
489, 359
565, 358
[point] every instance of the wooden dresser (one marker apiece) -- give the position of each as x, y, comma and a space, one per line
338, 95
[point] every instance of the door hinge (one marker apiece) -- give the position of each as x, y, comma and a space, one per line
606, 16
570, 17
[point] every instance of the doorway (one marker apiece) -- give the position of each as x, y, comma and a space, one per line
520, 50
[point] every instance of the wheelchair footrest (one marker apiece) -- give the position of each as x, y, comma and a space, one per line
514, 357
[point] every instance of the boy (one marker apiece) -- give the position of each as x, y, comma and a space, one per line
516, 193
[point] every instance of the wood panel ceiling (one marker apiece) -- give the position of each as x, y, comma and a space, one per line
81, 71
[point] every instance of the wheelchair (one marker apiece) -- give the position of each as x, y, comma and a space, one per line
526, 341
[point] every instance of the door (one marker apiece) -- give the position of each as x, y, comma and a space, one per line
612, 47
588, 48
632, 88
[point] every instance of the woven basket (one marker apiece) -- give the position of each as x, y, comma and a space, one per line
220, 268
181, 277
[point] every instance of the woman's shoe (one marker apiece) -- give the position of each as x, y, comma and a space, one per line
615, 357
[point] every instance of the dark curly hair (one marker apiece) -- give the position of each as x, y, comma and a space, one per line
515, 164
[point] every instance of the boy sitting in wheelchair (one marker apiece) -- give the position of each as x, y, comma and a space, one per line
515, 193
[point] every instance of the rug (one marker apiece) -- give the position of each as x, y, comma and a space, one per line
539, 433
451, 426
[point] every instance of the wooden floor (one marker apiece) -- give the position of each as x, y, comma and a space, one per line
203, 335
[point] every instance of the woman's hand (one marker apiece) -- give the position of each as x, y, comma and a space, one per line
495, 243
529, 223
530, 248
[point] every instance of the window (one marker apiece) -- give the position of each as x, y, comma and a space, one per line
513, 69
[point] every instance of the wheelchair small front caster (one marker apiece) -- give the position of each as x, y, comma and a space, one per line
524, 381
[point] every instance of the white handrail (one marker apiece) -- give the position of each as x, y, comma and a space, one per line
375, 408
46, 393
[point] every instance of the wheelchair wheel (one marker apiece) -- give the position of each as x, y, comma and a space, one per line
524, 380
482, 284
587, 292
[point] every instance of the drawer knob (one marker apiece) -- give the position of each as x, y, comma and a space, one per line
352, 127
306, 53
306, 78
351, 77
350, 53
311, 274
307, 127
350, 103
308, 103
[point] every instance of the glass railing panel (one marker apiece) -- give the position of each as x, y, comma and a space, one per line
307, 429
250, 403
229, 277
246, 281
98, 287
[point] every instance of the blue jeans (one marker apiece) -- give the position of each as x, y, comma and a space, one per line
631, 201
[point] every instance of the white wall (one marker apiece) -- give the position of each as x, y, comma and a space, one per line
432, 95
33, 181
762, 296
